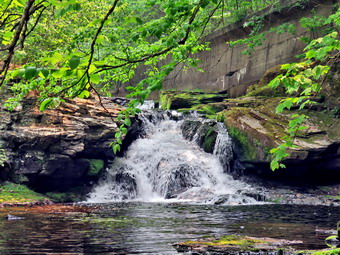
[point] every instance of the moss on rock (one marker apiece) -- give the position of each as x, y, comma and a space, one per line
11, 193
96, 167
209, 140
236, 244
248, 152
174, 100
327, 252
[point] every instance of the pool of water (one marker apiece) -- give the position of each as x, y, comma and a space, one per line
150, 228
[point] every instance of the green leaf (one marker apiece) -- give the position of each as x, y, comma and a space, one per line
74, 62
139, 20
30, 72
84, 94
127, 122
116, 148
286, 104
286, 66
100, 39
45, 72
274, 83
56, 58
274, 165
95, 78
310, 54
124, 131
130, 88
205, 3
118, 134
44, 104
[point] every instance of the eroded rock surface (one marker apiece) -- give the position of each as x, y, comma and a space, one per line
59, 148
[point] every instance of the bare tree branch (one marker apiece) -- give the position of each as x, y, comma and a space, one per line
11, 48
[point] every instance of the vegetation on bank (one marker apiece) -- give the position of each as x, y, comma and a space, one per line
11, 193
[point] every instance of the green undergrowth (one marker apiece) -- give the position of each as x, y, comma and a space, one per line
11, 193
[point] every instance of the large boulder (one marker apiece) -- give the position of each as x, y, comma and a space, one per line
58, 148
256, 129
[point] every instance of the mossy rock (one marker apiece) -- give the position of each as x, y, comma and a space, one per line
20, 179
206, 110
174, 100
11, 193
262, 89
209, 140
327, 252
64, 197
236, 244
96, 167
76, 194
243, 143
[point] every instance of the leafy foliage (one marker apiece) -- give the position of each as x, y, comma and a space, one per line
301, 80
305, 80
71, 48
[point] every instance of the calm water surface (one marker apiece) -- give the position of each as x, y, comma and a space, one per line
149, 228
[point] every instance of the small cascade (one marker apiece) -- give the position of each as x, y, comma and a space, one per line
164, 166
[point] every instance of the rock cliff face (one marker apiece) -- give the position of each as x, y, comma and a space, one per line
57, 149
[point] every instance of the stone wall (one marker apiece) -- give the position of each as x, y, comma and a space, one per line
226, 69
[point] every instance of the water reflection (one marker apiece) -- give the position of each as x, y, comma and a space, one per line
151, 228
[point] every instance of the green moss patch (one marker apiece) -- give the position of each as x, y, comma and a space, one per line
186, 101
232, 244
63, 197
243, 142
328, 252
96, 167
231, 240
11, 193
209, 140
75, 194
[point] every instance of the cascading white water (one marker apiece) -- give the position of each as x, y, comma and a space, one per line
163, 166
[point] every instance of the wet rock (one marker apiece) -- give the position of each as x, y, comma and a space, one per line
189, 128
238, 245
127, 184
204, 133
179, 181
234, 199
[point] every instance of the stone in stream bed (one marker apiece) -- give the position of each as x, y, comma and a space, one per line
235, 245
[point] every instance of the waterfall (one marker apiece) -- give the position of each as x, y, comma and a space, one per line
164, 166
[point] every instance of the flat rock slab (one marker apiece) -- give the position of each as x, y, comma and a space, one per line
237, 245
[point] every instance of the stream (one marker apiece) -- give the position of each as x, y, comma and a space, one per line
152, 228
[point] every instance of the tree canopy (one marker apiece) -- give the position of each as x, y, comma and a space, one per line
67, 48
